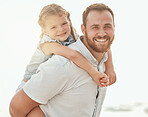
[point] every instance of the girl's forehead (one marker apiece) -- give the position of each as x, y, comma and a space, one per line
55, 20
55, 16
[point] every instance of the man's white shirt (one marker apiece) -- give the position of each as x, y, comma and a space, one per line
65, 90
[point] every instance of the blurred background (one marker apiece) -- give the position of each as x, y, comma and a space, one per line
19, 35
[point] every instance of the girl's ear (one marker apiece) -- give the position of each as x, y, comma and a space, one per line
43, 31
83, 28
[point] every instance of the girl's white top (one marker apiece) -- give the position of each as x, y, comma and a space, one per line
39, 57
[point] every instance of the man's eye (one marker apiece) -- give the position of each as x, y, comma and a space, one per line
107, 27
94, 27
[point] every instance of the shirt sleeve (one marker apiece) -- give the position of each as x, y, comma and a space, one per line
49, 81
37, 58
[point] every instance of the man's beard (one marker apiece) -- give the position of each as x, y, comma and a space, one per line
101, 48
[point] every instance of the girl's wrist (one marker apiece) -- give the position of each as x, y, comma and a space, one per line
94, 72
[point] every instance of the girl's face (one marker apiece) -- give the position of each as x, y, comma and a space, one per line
57, 27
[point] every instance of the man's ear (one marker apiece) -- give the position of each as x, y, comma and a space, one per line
114, 27
83, 28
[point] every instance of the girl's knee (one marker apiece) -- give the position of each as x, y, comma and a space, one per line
36, 112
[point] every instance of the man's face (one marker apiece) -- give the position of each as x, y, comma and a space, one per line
99, 31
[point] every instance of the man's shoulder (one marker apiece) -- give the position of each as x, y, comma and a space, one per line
57, 65
59, 60
54, 61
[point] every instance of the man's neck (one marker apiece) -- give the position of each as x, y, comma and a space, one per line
98, 56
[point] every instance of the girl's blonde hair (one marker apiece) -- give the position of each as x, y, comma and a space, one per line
54, 9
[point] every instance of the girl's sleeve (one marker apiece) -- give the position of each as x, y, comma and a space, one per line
37, 58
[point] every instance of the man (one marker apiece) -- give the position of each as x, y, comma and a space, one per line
60, 87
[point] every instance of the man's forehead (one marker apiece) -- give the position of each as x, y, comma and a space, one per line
95, 16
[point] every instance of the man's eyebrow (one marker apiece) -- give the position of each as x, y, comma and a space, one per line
94, 25
108, 24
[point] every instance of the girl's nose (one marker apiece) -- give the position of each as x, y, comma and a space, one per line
60, 28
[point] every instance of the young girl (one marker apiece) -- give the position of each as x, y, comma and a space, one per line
57, 33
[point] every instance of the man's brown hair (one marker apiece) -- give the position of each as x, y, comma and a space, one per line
96, 7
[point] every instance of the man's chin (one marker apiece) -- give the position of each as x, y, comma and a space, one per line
101, 50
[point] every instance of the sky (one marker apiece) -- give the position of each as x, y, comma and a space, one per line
19, 35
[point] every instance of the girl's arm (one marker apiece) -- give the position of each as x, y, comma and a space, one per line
110, 69
49, 48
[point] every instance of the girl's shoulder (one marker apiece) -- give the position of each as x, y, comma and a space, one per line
47, 39
68, 41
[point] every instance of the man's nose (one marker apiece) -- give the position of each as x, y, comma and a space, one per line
101, 33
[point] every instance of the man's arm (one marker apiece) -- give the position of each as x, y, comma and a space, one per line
21, 104
110, 69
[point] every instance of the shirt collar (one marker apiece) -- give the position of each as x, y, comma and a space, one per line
68, 41
87, 54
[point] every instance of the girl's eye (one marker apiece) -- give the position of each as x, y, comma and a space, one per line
65, 23
52, 27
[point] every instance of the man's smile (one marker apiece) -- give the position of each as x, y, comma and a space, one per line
101, 40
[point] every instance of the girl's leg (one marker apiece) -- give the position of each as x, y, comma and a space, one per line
36, 112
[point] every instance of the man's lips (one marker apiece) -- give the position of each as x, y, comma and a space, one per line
101, 40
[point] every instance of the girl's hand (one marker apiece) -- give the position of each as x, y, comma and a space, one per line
101, 79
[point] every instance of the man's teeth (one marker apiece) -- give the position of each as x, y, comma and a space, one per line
101, 40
